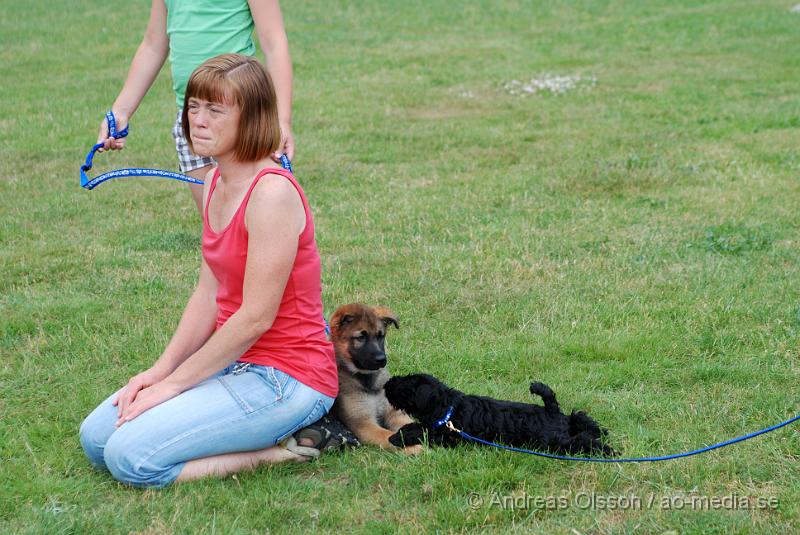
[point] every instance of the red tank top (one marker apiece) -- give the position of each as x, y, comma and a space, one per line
295, 343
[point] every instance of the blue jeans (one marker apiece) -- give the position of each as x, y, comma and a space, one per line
232, 411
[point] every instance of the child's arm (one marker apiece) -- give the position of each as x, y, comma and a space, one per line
272, 37
146, 64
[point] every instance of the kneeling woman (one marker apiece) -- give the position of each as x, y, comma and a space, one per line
249, 363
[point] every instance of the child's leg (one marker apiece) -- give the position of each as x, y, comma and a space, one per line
191, 164
197, 189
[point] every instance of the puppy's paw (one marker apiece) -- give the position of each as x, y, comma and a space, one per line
408, 436
414, 450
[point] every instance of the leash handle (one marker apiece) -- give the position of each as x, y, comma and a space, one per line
286, 164
92, 183
112, 126
111, 121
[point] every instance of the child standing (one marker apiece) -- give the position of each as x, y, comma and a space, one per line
190, 32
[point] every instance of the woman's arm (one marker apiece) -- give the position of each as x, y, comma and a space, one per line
272, 37
146, 64
275, 218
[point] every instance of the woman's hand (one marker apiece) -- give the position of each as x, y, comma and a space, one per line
148, 398
136, 384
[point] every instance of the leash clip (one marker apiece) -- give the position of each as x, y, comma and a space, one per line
452, 428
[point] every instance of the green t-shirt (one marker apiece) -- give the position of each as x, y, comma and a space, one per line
201, 29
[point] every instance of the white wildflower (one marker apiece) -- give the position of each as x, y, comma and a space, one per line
550, 83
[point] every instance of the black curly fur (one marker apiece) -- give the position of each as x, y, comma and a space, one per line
507, 422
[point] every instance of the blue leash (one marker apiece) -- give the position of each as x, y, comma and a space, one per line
447, 423
140, 171
90, 184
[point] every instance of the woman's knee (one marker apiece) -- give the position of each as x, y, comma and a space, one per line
96, 429
132, 463
93, 435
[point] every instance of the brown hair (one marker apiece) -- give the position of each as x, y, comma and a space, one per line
234, 78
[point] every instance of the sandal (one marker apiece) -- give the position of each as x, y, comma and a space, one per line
326, 434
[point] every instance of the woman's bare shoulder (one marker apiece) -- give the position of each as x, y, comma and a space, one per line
275, 198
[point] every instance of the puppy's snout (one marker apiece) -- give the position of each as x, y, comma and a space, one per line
375, 360
371, 360
376, 355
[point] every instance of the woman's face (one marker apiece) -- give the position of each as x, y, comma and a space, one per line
213, 127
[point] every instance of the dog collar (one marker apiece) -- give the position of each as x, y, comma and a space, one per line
446, 419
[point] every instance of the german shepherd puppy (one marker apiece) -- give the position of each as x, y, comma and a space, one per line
358, 333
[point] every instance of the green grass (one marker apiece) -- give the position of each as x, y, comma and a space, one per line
635, 246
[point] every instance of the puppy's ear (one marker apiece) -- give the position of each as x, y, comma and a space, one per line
344, 320
387, 316
339, 321
422, 396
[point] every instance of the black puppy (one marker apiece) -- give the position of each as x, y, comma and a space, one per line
516, 424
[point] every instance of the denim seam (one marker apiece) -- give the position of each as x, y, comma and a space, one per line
288, 389
278, 385
246, 406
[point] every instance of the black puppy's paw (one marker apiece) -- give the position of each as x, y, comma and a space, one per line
408, 435
608, 451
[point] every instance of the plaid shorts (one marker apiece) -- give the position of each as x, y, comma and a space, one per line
186, 159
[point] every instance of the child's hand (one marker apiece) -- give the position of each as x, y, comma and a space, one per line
110, 143
286, 146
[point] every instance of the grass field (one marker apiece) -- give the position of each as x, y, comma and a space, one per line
633, 243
